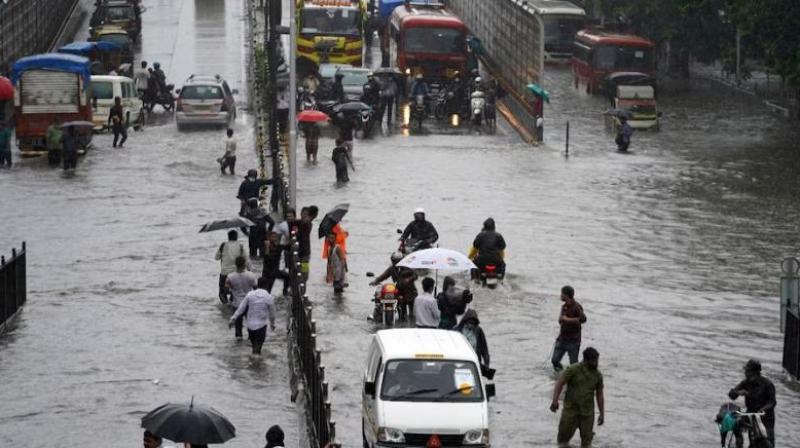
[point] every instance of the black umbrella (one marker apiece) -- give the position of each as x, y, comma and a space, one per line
189, 423
620, 113
234, 223
332, 218
353, 106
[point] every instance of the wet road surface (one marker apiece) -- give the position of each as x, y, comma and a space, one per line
122, 288
673, 250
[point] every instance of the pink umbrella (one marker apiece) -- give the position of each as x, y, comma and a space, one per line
312, 116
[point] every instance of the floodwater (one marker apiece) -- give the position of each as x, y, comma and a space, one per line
122, 314
673, 250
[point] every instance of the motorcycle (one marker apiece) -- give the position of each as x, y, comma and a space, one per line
163, 98
418, 111
367, 122
477, 108
385, 299
443, 105
491, 275
410, 245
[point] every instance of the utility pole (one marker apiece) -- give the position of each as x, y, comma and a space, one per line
738, 56
293, 103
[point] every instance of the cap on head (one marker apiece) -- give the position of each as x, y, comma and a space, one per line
419, 210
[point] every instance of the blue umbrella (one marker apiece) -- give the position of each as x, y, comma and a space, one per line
539, 91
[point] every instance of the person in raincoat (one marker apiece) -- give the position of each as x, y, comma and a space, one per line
339, 157
488, 248
471, 329
337, 264
623, 139
341, 240
53, 141
452, 303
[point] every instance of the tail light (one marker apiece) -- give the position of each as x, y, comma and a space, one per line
491, 268
179, 105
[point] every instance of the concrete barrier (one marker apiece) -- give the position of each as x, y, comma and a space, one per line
513, 41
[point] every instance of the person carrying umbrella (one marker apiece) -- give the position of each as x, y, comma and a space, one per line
69, 145
188, 423
227, 254
262, 225
260, 308
5, 145
337, 264
313, 132
331, 222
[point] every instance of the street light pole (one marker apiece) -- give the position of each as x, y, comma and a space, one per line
293, 103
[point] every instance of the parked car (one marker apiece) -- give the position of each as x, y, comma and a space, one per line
423, 386
353, 82
205, 100
103, 91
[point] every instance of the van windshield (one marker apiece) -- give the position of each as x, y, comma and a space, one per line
431, 380
102, 90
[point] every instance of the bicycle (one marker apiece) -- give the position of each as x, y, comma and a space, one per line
735, 422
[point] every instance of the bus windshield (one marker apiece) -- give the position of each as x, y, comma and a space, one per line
337, 21
562, 29
623, 58
434, 40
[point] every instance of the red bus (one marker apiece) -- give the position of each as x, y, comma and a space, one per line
598, 54
426, 38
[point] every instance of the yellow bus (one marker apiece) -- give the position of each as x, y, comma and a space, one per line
331, 31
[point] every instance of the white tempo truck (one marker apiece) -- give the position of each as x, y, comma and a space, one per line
422, 387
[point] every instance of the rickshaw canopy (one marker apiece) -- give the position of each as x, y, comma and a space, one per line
53, 61
85, 48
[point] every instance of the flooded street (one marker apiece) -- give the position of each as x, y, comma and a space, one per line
673, 250
122, 288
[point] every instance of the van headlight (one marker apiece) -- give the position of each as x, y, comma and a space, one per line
391, 435
477, 437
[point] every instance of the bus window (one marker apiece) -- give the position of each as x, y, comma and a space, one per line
434, 40
605, 58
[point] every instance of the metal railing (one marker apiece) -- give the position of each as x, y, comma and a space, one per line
791, 346
305, 357
13, 285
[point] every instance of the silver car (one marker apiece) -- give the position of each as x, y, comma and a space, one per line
205, 100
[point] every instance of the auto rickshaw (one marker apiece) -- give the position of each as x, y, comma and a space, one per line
632, 95
105, 57
125, 14
118, 36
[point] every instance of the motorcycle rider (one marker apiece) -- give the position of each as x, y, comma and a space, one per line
419, 87
488, 248
420, 231
372, 92
404, 279
623, 139
759, 396
251, 188
160, 78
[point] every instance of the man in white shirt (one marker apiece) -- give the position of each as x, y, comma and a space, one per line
426, 310
142, 79
228, 160
260, 308
284, 229
240, 283
226, 254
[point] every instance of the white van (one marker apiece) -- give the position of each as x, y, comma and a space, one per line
103, 90
424, 385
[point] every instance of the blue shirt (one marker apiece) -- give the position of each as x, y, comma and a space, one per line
5, 140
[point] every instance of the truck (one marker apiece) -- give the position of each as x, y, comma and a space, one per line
331, 31
50, 88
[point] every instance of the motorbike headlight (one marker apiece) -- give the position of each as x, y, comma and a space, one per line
477, 437
391, 435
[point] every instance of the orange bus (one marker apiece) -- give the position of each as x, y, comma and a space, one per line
598, 54
426, 38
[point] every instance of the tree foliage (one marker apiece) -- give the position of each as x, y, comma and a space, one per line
706, 29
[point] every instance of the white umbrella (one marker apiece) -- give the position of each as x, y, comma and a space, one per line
437, 259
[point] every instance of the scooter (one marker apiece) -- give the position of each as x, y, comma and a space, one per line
491, 275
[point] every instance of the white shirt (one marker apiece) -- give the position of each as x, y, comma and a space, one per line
230, 147
141, 79
282, 229
260, 307
227, 254
426, 311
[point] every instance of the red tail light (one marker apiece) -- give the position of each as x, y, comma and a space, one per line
179, 105
491, 268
